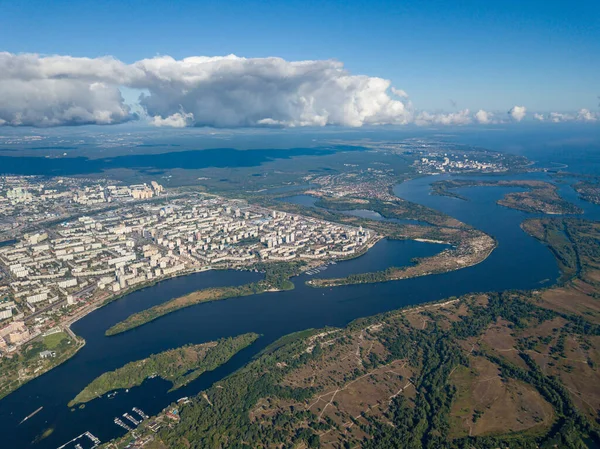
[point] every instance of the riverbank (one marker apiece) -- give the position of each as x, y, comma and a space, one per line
23, 368
276, 283
277, 278
198, 297
14, 369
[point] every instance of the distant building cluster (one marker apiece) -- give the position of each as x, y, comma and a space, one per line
456, 163
444, 164
27, 200
365, 183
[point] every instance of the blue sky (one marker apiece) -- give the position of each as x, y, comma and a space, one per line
480, 54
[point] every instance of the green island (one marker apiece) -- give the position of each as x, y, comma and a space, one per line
540, 197
276, 278
588, 191
517, 369
179, 366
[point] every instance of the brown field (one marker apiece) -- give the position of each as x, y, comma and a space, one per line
343, 358
572, 300
575, 372
499, 340
504, 406
371, 394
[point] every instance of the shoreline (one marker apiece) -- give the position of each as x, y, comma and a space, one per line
81, 342
98, 304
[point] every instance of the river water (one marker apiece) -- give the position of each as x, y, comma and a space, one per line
272, 315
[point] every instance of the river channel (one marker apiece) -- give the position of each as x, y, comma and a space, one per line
519, 262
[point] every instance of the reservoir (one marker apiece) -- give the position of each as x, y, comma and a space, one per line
271, 314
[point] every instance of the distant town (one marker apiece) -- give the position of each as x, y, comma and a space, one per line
62, 271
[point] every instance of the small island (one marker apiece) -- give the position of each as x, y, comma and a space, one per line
588, 191
179, 366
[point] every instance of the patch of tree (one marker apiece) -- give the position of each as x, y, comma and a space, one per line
507, 305
425, 425
227, 424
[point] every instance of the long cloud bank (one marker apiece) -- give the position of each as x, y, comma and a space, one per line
227, 91
222, 91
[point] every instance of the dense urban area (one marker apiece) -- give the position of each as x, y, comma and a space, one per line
53, 276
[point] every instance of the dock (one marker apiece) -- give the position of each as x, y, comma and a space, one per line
88, 434
131, 418
120, 423
140, 413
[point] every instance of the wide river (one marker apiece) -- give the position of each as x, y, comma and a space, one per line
519, 262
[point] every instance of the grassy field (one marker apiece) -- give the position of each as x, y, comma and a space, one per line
53, 341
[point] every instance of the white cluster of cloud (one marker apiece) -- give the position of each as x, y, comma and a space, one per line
177, 120
484, 117
59, 90
583, 115
222, 91
518, 113
227, 91
232, 91
454, 118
